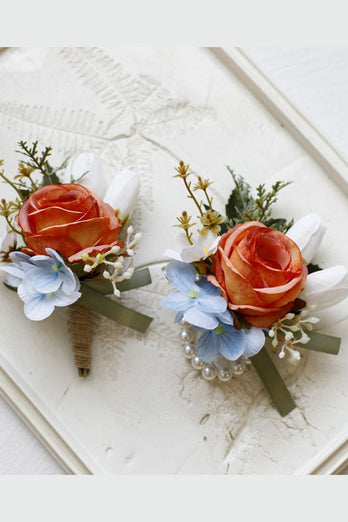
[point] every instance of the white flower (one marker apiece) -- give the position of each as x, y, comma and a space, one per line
123, 191
119, 266
8, 240
307, 233
204, 245
332, 315
324, 288
86, 169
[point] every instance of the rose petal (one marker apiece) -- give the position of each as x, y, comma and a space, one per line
51, 216
280, 295
238, 289
266, 320
76, 236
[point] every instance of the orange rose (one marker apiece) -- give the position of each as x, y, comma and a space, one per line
68, 218
260, 272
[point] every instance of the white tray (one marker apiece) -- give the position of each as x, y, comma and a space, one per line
143, 409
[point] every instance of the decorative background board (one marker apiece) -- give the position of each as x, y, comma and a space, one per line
144, 409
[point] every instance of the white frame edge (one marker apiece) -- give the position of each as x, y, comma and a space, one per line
41, 422
286, 113
64, 448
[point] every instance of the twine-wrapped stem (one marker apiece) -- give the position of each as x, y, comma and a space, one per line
81, 327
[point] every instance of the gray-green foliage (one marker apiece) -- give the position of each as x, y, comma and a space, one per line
242, 206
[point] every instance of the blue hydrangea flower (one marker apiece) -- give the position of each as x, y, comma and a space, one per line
230, 343
42, 282
15, 270
39, 305
199, 303
50, 273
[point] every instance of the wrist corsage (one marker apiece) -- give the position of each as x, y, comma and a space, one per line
245, 286
64, 246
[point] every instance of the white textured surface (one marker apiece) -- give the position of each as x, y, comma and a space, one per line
246, 438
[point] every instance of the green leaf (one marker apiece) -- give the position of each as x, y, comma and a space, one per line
240, 199
242, 322
225, 226
273, 382
280, 224
242, 206
313, 268
50, 179
25, 193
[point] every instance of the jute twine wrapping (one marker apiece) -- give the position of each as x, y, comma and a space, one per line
81, 327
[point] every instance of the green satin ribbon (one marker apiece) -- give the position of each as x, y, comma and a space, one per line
140, 278
99, 303
272, 379
273, 382
323, 343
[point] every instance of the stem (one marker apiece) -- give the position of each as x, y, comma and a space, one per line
12, 227
188, 237
83, 372
2, 175
208, 199
31, 154
33, 184
187, 185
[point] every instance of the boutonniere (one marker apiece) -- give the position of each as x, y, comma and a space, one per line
244, 285
67, 246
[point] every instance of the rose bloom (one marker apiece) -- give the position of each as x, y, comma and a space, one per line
260, 272
68, 218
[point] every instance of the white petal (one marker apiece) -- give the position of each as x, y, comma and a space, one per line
326, 287
60, 298
206, 240
123, 192
95, 179
8, 240
23, 293
213, 246
255, 340
307, 233
331, 316
38, 308
172, 254
192, 253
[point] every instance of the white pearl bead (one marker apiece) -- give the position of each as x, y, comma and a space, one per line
209, 372
186, 336
197, 363
238, 367
225, 374
183, 322
189, 351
